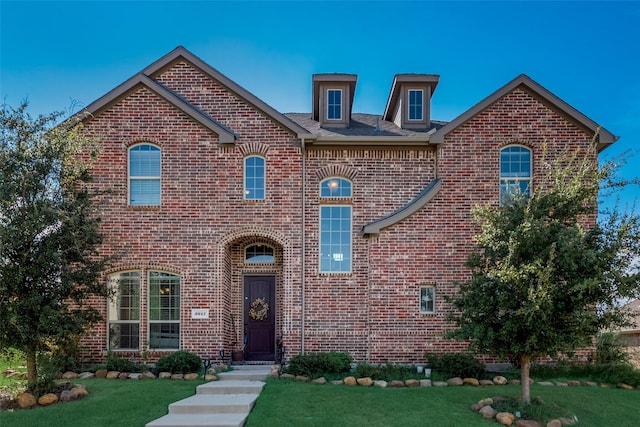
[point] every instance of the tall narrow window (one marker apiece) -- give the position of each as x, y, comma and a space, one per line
254, 178
427, 299
144, 175
123, 312
415, 104
334, 104
515, 172
164, 310
335, 227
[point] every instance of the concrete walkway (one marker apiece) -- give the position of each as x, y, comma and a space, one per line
223, 403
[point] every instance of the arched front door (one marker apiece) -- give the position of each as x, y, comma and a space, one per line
260, 317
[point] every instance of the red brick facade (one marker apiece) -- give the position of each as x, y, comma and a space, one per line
203, 224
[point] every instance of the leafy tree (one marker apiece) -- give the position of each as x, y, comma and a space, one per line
545, 276
49, 234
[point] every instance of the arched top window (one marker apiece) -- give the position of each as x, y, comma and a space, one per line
259, 253
254, 178
144, 175
515, 172
335, 187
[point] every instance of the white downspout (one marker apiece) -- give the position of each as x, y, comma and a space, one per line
304, 243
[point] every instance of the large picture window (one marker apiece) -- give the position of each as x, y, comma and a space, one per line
254, 178
515, 172
123, 311
164, 310
144, 175
335, 227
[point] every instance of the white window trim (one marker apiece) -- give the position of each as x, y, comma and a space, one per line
148, 312
142, 178
350, 239
244, 178
341, 103
138, 322
420, 299
515, 179
409, 105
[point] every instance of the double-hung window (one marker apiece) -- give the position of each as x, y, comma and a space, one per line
427, 299
123, 311
144, 175
334, 104
254, 178
515, 172
416, 104
164, 310
335, 226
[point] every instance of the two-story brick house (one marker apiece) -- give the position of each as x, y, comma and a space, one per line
244, 228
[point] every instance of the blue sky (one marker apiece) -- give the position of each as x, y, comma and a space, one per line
65, 55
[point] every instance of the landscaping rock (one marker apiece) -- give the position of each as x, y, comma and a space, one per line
514, 382
47, 399
124, 376
191, 376
68, 396
290, 376
471, 381
412, 383
80, 391
456, 381
488, 412
135, 376
337, 382
177, 377
505, 418
592, 384
397, 383
26, 400
350, 381
85, 375
321, 380
69, 375
210, 377
568, 421
366, 381
554, 423
112, 375
440, 383
625, 386
101, 373
499, 380
302, 378
486, 401
561, 384
546, 383
164, 375
573, 383
486, 383
148, 376
380, 383
425, 383
477, 406
528, 423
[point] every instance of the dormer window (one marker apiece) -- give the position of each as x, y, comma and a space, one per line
416, 104
333, 99
334, 104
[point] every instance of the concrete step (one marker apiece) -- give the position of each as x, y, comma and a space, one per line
214, 404
199, 420
230, 387
250, 373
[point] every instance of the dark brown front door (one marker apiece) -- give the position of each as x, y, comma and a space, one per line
259, 317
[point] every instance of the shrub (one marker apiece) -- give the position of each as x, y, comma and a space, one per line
613, 373
180, 362
386, 372
120, 364
462, 365
315, 364
609, 348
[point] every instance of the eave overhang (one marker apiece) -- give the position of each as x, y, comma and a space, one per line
428, 193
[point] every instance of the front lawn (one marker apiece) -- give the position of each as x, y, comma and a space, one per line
112, 403
287, 403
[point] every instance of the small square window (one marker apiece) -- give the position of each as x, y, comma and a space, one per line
427, 299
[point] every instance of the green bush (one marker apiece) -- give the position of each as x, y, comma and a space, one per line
462, 365
613, 373
180, 362
316, 364
120, 364
609, 349
386, 372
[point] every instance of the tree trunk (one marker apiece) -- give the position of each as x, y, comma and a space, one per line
525, 386
32, 371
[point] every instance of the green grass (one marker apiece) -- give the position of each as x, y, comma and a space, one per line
287, 403
112, 403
